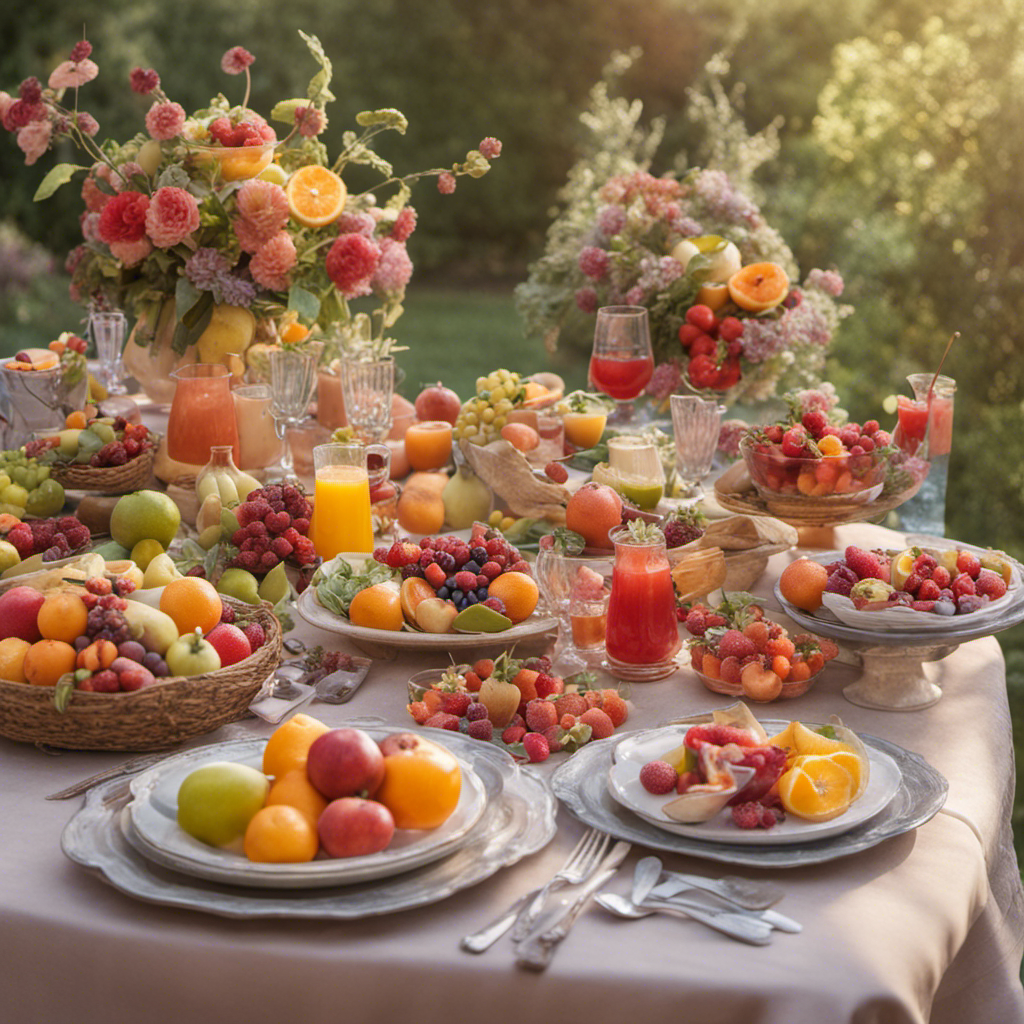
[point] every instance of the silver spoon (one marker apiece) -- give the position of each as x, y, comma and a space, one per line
736, 925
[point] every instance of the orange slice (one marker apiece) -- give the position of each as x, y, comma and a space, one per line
816, 788
759, 287
316, 196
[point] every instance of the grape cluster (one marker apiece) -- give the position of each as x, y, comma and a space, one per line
481, 418
25, 484
55, 538
273, 524
106, 619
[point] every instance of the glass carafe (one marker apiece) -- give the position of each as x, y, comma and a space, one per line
202, 413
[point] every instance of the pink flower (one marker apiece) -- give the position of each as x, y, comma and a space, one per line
74, 258
350, 264
90, 227
34, 140
250, 238
264, 206
270, 266
490, 147
92, 196
21, 113
361, 223
172, 216
71, 74
6, 101
81, 50
586, 300
30, 90
236, 60
394, 269
144, 81
121, 179
446, 183
829, 281
124, 218
310, 121
130, 253
87, 124
165, 120
635, 296
594, 262
405, 224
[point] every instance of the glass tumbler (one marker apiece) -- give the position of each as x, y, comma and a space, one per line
367, 386
292, 380
696, 423
108, 332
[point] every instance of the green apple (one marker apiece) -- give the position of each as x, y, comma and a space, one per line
144, 514
217, 801
191, 655
160, 571
8, 555
68, 446
240, 584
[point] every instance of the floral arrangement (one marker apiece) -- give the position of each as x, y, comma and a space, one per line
212, 209
673, 244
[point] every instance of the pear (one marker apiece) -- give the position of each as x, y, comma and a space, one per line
154, 629
466, 499
160, 571
275, 586
230, 330
209, 511
240, 584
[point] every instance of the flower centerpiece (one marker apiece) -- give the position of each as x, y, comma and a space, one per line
206, 223
728, 313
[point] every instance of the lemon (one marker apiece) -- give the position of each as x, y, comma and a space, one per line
145, 551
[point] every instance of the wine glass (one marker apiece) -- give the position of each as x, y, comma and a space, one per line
108, 332
622, 362
696, 423
367, 386
292, 380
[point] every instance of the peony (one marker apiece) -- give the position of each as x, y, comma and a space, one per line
405, 224
172, 216
446, 183
361, 223
91, 227
394, 270
264, 206
130, 253
93, 198
310, 121
71, 74
236, 60
144, 80
350, 264
586, 300
124, 218
270, 266
594, 262
87, 124
34, 140
165, 120
121, 179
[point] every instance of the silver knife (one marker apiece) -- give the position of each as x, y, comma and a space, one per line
536, 950
665, 892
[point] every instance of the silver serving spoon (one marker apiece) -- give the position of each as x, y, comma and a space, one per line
743, 927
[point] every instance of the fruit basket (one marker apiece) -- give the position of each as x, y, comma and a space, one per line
156, 717
135, 474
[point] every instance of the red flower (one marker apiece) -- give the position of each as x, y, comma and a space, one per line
236, 60
144, 81
124, 218
350, 264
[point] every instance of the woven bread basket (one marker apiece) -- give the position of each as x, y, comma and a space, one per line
134, 474
156, 717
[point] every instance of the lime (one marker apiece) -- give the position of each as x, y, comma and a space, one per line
145, 551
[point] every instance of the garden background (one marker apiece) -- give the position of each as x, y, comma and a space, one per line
893, 154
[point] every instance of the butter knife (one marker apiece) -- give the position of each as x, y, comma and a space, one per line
537, 949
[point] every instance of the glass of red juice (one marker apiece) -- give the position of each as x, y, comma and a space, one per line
622, 362
919, 418
642, 632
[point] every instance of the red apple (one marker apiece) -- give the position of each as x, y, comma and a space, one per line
438, 403
344, 762
353, 827
19, 608
399, 741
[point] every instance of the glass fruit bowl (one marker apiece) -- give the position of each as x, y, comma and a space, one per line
790, 687
236, 163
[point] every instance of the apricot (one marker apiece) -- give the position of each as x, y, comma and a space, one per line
802, 583
47, 660
760, 683
12, 659
420, 510
62, 616
759, 287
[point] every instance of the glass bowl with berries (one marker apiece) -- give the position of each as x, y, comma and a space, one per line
736, 650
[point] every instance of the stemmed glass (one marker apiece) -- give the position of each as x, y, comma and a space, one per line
696, 423
367, 386
108, 332
292, 380
622, 362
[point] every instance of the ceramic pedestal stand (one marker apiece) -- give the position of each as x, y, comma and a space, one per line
895, 678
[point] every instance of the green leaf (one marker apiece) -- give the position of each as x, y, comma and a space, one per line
63, 691
303, 302
56, 176
319, 86
195, 318
386, 116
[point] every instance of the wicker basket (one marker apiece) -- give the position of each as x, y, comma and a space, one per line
153, 718
134, 474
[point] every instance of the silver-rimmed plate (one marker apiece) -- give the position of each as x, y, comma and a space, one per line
520, 821
581, 783
156, 834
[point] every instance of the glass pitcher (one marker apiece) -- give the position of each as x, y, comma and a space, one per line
202, 413
342, 517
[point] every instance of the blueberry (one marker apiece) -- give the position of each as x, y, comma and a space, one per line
450, 583
462, 605
478, 554
471, 598
481, 593
457, 596
472, 567
443, 592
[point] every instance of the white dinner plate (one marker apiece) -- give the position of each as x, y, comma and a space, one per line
635, 751
153, 817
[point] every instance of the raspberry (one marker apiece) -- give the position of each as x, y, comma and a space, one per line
696, 622
255, 634
546, 684
476, 711
490, 569
870, 427
481, 729
913, 583
248, 560
928, 591
267, 561
735, 645
570, 704
747, 815
557, 472
465, 581
281, 548
615, 708
455, 703
513, 734
968, 562
990, 584
227, 614
442, 720
599, 722
496, 603
942, 576
865, 564
541, 715
419, 711
794, 443
815, 422
925, 564
536, 746
658, 777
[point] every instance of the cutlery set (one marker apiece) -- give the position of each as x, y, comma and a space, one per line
744, 911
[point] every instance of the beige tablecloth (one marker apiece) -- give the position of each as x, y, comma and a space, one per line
928, 926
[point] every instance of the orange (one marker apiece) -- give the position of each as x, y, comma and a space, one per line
293, 333
758, 287
816, 788
420, 510
584, 429
47, 660
75, 419
518, 591
379, 607
280, 834
62, 616
802, 583
192, 603
294, 789
592, 511
289, 744
421, 786
316, 196
12, 659
856, 766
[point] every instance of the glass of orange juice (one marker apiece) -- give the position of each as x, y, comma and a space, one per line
584, 417
428, 445
342, 520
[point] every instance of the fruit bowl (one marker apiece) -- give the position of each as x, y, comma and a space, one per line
236, 163
790, 688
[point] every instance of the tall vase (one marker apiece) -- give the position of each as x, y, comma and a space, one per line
152, 364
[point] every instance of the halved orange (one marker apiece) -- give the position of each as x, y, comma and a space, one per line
316, 196
816, 788
759, 287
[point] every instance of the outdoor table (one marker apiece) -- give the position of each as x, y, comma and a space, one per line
927, 926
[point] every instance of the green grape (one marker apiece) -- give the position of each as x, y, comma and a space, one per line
19, 475
470, 431
487, 415
46, 500
30, 481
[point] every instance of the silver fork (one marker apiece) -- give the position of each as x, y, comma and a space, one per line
578, 867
